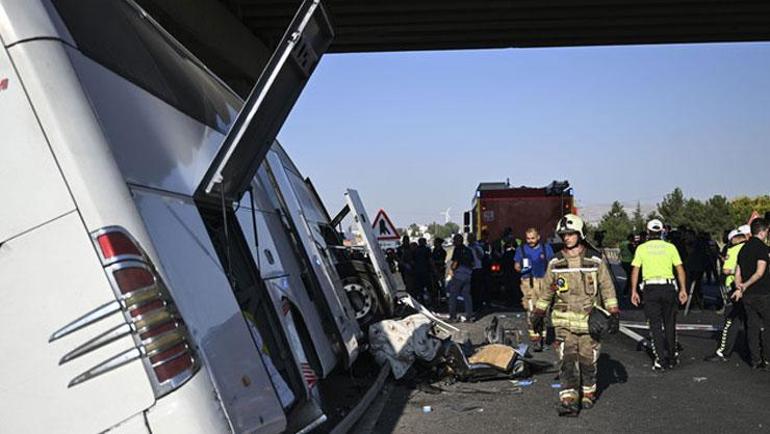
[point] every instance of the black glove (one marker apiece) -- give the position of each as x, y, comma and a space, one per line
538, 322
613, 325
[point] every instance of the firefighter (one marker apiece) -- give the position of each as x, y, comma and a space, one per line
577, 281
658, 259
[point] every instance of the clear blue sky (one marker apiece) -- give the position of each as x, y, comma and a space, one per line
416, 132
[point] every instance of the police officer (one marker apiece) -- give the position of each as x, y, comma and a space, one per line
576, 280
736, 316
658, 258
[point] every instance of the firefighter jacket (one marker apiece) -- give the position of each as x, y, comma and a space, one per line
574, 285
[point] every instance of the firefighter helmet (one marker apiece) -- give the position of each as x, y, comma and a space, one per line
571, 223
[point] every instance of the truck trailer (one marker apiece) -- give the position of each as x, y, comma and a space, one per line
498, 207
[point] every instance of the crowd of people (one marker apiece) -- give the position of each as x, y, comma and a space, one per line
747, 281
508, 271
571, 292
700, 254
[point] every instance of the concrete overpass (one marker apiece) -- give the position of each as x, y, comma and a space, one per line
234, 37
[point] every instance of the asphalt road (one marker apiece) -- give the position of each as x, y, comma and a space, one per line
697, 396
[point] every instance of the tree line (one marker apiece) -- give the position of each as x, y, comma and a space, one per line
714, 215
436, 230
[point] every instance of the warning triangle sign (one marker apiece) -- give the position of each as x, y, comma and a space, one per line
384, 229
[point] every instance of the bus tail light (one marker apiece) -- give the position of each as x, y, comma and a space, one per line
160, 337
158, 328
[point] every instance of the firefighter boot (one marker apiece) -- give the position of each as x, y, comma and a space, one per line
588, 400
569, 403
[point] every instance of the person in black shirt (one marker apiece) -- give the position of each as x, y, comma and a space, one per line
752, 284
438, 256
511, 277
423, 271
405, 254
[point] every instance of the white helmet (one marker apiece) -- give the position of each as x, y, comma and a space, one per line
745, 230
655, 225
571, 223
733, 233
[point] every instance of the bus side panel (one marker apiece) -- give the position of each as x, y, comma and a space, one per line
75, 136
49, 277
202, 292
283, 261
319, 257
33, 190
170, 151
189, 410
29, 19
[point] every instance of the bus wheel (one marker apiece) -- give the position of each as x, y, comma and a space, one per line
363, 298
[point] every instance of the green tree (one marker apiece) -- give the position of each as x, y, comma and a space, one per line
590, 230
451, 228
414, 230
615, 224
638, 223
694, 215
672, 208
743, 206
443, 231
719, 216
651, 215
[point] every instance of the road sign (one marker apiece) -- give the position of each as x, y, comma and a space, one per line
383, 228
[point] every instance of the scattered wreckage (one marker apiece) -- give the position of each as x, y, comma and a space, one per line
441, 351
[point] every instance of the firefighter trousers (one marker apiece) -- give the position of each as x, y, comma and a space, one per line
578, 357
531, 288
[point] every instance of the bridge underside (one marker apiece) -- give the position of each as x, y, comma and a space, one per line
397, 25
234, 37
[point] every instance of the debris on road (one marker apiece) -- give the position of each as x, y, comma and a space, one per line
524, 383
400, 342
419, 337
466, 408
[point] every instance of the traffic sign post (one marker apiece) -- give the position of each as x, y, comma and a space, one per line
384, 229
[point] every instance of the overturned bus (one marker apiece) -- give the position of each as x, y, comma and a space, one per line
160, 277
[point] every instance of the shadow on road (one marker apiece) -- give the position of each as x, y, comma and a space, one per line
610, 372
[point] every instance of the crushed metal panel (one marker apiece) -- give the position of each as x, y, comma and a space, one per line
361, 220
200, 288
275, 259
265, 110
317, 252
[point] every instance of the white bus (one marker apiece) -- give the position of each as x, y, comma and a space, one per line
152, 281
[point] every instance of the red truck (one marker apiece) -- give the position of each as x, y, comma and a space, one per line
498, 206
